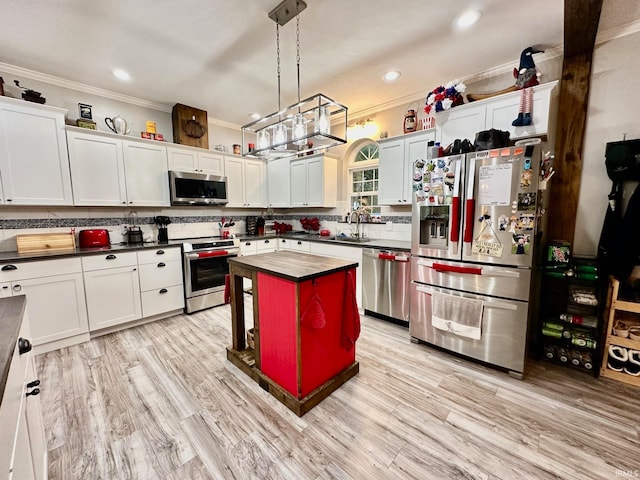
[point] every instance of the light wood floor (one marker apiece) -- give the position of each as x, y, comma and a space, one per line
162, 402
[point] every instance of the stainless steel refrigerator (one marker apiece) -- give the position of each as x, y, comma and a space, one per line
476, 230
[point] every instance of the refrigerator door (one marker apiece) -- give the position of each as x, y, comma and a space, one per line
481, 279
501, 203
503, 328
437, 208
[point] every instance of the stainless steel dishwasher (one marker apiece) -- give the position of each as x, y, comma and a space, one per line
385, 284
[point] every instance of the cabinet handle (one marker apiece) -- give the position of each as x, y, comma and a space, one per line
163, 290
299, 242
9, 200
160, 252
110, 257
35, 383
283, 241
6, 268
24, 346
124, 203
266, 241
34, 392
134, 269
17, 288
5, 287
248, 244
161, 264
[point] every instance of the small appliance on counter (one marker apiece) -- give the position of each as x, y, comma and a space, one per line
162, 223
94, 238
134, 233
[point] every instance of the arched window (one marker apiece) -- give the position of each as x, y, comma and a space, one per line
363, 173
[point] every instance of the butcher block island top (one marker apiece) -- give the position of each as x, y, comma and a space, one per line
306, 324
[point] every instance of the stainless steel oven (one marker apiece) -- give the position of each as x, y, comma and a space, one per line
205, 271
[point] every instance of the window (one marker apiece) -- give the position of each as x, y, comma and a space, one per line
364, 177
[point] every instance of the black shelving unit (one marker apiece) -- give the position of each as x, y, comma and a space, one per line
570, 314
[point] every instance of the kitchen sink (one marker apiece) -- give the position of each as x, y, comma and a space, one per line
350, 239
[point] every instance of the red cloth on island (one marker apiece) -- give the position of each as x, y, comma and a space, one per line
350, 314
227, 289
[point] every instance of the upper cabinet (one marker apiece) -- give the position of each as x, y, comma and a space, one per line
314, 181
279, 183
395, 166
33, 154
195, 160
246, 182
109, 170
499, 112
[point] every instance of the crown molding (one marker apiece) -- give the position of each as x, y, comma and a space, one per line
224, 124
618, 32
81, 87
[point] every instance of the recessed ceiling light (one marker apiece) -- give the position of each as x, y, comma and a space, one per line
255, 116
467, 19
121, 74
391, 76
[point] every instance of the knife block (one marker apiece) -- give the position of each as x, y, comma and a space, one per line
163, 236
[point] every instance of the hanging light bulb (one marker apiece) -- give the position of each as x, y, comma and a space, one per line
280, 136
299, 130
323, 125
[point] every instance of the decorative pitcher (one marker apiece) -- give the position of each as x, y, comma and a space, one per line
118, 125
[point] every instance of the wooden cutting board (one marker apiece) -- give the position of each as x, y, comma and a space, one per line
190, 126
45, 242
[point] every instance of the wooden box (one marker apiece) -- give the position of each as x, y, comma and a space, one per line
190, 126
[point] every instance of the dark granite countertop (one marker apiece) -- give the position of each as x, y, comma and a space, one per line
118, 247
11, 313
294, 266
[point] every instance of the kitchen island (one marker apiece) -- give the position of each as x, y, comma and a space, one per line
306, 323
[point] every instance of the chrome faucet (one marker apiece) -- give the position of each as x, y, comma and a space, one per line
358, 212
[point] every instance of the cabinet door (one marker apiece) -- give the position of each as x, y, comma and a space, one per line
503, 110
234, 168
211, 163
182, 159
57, 307
391, 175
279, 183
460, 122
113, 296
33, 155
255, 175
97, 169
35, 427
315, 182
146, 173
298, 169
415, 148
154, 276
5, 290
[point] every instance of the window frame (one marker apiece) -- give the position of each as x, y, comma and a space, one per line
361, 166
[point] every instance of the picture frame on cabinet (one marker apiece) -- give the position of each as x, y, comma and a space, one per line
85, 111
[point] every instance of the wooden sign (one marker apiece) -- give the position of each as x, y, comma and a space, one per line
190, 126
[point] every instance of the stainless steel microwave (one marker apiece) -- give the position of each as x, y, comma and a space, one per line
188, 188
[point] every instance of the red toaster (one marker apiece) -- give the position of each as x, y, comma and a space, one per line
94, 238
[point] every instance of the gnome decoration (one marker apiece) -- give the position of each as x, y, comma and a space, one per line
526, 77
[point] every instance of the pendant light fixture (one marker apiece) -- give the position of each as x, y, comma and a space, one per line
304, 126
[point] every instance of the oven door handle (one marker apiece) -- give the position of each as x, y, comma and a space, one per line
215, 253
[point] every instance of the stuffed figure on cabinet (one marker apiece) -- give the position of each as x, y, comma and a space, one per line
526, 77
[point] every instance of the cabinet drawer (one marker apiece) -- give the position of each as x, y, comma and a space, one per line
156, 255
160, 274
109, 260
23, 270
267, 245
162, 300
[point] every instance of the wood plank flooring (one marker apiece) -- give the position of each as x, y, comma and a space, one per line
161, 401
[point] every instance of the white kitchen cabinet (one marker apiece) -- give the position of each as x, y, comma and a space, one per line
34, 167
97, 169
23, 455
195, 160
343, 252
146, 174
299, 246
161, 283
246, 182
279, 183
266, 245
112, 288
395, 166
109, 170
498, 112
55, 295
314, 181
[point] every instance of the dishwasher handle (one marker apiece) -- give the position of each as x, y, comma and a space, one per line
385, 255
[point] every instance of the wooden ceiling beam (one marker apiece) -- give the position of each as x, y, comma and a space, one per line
581, 19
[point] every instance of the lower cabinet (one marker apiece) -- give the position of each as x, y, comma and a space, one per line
112, 288
56, 299
23, 455
160, 281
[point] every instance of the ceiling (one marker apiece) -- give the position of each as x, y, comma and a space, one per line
220, 55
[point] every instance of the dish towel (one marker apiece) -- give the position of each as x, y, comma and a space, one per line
458, 315
350, 314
